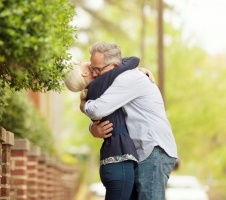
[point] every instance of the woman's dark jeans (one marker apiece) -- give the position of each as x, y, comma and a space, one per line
118, 179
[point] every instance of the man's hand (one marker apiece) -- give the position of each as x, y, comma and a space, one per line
148, 73
83, 96
101, 130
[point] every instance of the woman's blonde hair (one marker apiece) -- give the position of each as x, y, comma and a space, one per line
74, 79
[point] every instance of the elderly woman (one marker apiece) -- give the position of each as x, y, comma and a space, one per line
118, 154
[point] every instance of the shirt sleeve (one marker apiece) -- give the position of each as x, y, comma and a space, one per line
117, 95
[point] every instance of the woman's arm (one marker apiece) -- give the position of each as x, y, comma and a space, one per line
128, 63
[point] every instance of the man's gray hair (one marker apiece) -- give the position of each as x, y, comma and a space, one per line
111, 51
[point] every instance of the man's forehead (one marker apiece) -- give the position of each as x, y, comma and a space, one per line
97, 57
98, 54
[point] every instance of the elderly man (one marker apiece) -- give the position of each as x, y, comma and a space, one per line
146, 121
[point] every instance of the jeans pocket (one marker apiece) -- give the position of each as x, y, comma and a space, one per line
105, 174
169, 164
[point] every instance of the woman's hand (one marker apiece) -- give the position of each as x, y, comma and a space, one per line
148, 73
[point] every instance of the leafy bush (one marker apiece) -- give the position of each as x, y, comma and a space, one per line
3, 99
34, 39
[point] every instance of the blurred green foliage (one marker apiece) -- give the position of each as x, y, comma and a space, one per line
22, 119
3, 100
77, 124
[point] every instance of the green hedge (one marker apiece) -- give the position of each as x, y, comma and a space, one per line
34, 39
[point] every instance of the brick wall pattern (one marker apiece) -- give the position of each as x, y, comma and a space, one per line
26, 173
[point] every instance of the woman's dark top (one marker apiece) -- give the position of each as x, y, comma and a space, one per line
119, 147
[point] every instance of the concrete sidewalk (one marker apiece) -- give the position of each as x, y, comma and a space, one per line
84, 194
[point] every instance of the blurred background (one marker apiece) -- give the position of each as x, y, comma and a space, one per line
183, 43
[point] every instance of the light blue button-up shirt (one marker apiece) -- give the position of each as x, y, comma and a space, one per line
145, 114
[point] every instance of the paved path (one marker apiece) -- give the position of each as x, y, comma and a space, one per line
83, 194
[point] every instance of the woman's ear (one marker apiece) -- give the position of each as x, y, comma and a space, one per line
86, 73
115, 64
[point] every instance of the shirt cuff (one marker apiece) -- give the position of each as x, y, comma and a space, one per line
86, 108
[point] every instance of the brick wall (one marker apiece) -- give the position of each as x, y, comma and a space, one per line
5, 163
3, 192
26, 173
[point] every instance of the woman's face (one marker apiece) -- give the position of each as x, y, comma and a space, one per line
86, 73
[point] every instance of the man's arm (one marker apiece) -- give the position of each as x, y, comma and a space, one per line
123, 90
145, 71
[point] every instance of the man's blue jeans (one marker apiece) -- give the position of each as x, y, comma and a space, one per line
118, 179
152, 174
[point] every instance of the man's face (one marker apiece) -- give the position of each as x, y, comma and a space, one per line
98, 66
